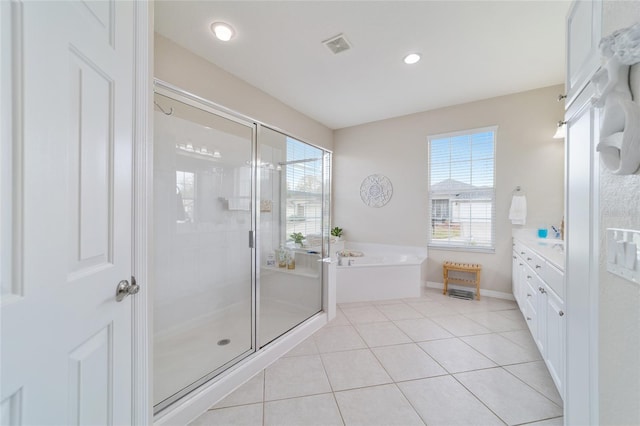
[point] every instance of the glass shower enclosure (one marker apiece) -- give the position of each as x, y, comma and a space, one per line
231, 198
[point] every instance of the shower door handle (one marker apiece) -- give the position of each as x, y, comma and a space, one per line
251, 244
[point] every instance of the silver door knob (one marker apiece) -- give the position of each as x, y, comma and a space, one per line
561, 313
125, 288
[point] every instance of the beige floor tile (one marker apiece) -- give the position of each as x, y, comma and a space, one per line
307, 347
295, 376
354, 369
456, 356
399, 311
459, 325
501, 304
364, 314
376, 406
248, 393
339, 338
444, 401
407, 362
429, 309
496, 322
316, 410
422, 329
512, 400
382, 334
536, 375
512, 314
557, 421
244, 415
340, 319
522, 338
500, 350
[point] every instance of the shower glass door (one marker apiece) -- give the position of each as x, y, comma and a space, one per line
203, 293
294, 229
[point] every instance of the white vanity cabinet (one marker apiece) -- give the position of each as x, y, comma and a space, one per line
538, 286
584, 23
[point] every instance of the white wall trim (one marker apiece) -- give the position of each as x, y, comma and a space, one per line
190, 407
483, 292
142, 410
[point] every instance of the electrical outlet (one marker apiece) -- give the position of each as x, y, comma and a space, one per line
623, 253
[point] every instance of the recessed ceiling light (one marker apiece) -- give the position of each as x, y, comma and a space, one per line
411, 58
222, 31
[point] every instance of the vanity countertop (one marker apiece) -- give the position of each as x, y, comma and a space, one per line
550, 249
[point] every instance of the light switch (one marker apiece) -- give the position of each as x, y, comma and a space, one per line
623, 253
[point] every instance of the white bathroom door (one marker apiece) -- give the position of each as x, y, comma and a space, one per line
66, 343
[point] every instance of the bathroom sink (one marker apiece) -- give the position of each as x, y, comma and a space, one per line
552, 244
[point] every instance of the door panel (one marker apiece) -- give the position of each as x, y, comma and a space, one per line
90, 170
66, 342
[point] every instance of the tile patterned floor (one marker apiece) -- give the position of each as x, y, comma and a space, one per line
432, 360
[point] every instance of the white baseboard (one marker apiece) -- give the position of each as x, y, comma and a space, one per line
483, 292
192, 406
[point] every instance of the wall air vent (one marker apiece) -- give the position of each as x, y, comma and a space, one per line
337, 44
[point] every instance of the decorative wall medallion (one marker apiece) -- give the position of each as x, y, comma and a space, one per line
376, 190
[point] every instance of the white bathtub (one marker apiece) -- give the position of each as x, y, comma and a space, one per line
384, 272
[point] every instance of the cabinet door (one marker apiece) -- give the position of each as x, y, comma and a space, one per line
584, 23
555, 331
515, 279
531, 300
541, 337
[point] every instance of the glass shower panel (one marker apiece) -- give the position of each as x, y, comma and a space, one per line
203, 299
292, 232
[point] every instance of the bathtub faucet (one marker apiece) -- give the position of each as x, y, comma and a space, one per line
339, 259
350, 262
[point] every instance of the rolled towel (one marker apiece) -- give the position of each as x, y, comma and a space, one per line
518, 210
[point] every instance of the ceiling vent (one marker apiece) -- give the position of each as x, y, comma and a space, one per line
337, 44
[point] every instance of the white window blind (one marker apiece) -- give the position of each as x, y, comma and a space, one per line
461, 189
303, 173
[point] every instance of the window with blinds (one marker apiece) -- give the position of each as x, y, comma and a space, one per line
461, 189
304, 186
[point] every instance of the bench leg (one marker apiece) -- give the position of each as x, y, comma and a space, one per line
445, 274
478, 285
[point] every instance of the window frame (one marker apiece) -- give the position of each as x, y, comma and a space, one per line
461, 246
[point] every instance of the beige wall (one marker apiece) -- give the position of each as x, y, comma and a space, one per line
180, 67
526, 156
619, 356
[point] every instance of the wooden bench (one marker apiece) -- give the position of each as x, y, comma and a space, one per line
473, 268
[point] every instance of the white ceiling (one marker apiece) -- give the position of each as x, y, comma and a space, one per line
470, 50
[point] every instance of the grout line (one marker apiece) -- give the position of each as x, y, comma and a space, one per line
424, 421
333, 393
523, 381
541, 420
479, 400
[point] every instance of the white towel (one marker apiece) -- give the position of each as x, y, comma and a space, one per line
518, 210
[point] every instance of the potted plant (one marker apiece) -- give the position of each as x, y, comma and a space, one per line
336, 232
297, 238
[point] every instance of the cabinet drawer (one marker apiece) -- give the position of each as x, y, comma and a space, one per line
553, 278
534, 261
520, 250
